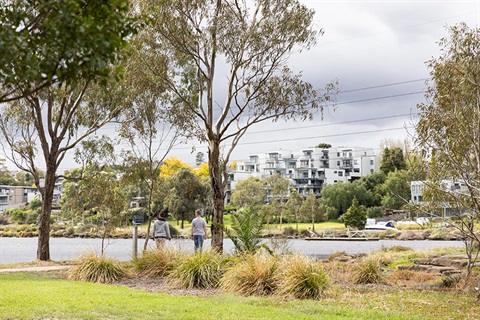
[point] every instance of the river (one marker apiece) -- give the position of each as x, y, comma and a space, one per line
14, 250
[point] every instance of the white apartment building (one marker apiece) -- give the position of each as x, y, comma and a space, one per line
308, 169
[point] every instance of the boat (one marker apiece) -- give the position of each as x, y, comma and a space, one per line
388, 225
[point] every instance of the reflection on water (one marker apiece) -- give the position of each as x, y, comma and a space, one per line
25, 249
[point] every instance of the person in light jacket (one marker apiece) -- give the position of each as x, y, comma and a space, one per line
199, 230
161, 231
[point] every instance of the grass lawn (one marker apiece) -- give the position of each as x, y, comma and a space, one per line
45, 295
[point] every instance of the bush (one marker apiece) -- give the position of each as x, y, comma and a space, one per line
18, 215
246, 229
302, 278
173, 231
198, 270
86, 228
397, 248
156, 263
369, 270
4, 219
374, 212
288, 231
97, 268
332, 213
35, 204
253, 274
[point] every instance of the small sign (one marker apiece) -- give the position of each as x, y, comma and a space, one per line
138, 219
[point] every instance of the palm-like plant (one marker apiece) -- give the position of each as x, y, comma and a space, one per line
246, 230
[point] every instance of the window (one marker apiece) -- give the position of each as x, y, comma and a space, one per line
371, 162
355, 162
340, 173
338, 163
371, 170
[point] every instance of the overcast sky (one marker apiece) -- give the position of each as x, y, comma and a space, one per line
377, 51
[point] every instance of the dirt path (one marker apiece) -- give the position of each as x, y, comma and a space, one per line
30, 269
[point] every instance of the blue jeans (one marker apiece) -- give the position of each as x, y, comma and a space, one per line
198, 241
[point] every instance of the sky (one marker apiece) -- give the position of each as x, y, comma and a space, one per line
377, 50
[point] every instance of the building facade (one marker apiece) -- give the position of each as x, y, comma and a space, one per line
16, 196
308, 169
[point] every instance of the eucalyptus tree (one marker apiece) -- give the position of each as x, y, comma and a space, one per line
396, 189
248, 193
278, 189
293, 206
312, 209
150, 138
48, 42
448, 131
236, 51
55, 60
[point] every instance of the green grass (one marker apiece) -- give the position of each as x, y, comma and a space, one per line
36, 296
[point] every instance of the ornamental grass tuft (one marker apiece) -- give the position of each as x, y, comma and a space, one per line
368, 270
301, 277
157, 262
253, 274
92, 267
197, 270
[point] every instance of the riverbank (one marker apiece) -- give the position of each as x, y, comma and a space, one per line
437, 233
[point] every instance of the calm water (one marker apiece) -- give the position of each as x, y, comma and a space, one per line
25, 249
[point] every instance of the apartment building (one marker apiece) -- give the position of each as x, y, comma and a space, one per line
15, 196
19, 196
308, 169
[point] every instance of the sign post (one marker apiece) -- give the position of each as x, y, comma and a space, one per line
136, 221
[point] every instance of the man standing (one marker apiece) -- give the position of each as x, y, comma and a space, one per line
199, 230
161, 231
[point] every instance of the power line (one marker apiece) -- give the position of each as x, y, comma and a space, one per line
383, 85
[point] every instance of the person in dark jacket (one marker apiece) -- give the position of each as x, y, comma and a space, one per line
161, 231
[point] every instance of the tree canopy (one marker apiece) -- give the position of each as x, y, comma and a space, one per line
247, 43
49, 41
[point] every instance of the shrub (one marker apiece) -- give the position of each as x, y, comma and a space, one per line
288, 231
156, 263
302, 278
17, 215
246, 229
173, 231
4, 219
198, 270
396, 248
332, 213
369, 270
374, 212
35, 204
97, 268
86, 228
253, 274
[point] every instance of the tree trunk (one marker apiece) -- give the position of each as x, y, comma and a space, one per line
149, 212
43, 249
216, 175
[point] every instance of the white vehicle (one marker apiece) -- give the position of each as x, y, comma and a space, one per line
381, 226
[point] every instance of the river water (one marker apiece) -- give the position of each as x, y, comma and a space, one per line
14, 250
